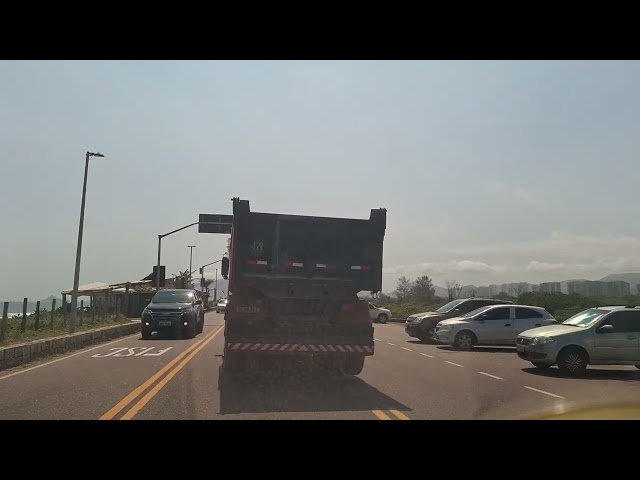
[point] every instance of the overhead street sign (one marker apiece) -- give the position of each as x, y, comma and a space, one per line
214, 223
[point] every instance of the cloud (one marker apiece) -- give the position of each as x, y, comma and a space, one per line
566, 245
455, 266
518, 194
561, 256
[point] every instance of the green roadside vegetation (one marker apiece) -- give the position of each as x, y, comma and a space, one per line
417, 296
560, 305
14, 335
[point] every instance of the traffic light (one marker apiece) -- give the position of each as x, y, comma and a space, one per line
224, 268
154, 280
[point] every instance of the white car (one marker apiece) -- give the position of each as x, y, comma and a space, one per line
221, 306
379, 314
493, 325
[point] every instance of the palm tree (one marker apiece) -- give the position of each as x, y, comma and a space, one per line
182, 279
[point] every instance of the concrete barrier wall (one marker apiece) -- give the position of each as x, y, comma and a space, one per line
22, 353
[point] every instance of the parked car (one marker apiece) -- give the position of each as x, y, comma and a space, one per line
492, 325
596, 336
379, 314
423, 325
175, 310
221, 306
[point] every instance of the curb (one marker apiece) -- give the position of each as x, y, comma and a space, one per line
22, 353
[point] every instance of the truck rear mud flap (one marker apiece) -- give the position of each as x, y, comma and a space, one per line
311, 348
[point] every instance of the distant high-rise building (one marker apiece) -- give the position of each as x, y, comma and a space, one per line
550, 287
588, 288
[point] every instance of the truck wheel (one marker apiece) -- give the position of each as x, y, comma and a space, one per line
354, 364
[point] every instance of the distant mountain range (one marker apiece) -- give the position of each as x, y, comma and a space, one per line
633, 279
16, 306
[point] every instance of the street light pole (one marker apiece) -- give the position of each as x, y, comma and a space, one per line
191, 247
160, 237
76, 275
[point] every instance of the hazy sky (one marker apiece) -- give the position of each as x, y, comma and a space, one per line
491, 171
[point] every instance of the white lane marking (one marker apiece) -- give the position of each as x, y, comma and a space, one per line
69, 356
425, 355
392, 344
545, 393
456, 364
407, 349
489, 375
377, 339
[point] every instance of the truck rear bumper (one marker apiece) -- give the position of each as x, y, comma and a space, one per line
302, 348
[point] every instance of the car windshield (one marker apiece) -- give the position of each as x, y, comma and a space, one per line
173, 297
449, 306
475, 312
585, 318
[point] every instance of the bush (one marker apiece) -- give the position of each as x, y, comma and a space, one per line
403, 310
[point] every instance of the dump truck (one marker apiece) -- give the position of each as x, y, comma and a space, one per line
293, 288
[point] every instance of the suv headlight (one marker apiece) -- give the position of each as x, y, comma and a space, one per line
541, 340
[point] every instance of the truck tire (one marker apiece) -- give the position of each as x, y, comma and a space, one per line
353, 364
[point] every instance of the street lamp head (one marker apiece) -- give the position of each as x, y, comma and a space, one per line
91, 154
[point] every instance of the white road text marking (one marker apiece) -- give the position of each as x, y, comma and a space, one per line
66, 356
132, 352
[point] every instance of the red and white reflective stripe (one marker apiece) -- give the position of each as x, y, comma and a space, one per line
360, 267
257, 262
324, 265
293, 264
289, 347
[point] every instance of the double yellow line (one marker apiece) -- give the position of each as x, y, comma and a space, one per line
173, 367
383, 416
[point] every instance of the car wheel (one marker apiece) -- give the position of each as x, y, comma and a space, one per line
382, 318
541, 366
465, 340
190, 330
573, 361
429, 336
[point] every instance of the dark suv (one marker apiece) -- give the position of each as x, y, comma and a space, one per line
175, 310
422, 325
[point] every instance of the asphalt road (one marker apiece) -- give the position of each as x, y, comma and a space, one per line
165, 378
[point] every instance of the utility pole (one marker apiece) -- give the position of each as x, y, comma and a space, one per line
76, 276
190, 247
